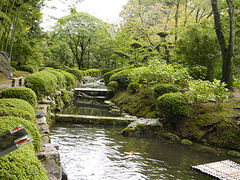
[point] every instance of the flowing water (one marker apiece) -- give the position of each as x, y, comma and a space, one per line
101, 152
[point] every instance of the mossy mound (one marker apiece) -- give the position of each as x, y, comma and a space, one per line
70, 79
20, 93
161, 89
122, 78
77, 73
141, 104
18, 104
8, 122
113, 86
212, 125
171, 137
60, 77
92, 72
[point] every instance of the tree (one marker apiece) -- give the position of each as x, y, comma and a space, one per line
79, 31
226, 50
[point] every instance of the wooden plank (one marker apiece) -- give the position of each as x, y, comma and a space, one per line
223, 170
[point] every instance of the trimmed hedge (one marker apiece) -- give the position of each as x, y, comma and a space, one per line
173, 105
122, 78
132, 87
29, 68
8, 122
18, 104
24, 93
70, 79
10, 111
42, 83
107, 75
113, 86
92, 72
77, 73
21, 163
161, 89
60, 77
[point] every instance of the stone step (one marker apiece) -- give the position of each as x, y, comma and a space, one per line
69, 118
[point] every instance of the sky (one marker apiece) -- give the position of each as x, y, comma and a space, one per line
106, 10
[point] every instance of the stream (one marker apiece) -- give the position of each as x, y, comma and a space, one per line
94, 152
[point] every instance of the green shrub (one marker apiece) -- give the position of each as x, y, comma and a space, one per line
20, 93
173, 105
18, 104
60, 77
122, 78
105, 70
29, 68
113, 86
132, 87
10, 111
77, 73
8, 122
107, 75
198, 72
42, 83
92, 72
65, 97
70, 79
161, 89
21, 163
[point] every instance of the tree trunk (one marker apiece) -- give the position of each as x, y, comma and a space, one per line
227, 51
176, 19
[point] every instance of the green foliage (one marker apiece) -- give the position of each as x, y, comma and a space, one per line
92, 72
42, 83
61, 81
105, 70
198, 46
173, 105
198, 72
203, 91
8, 122
18, 104
77, 73
160, 73
161, 89
132, 87
107, 75
29, 68
122, 78
113, 86
65, 97
70, 79
21, 163
20, 93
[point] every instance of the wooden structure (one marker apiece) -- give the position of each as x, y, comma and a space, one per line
223, 170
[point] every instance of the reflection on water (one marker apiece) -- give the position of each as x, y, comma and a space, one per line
90, 152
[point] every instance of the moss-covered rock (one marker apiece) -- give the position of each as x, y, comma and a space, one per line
144, 127
19, 105
233, 153
171, 137
8, 122
161, 89
66, 97
24, 93
186, 142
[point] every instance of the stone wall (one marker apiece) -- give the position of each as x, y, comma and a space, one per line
5, 66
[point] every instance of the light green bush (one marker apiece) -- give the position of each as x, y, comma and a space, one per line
18, 104
29, 68
8, 122
92, 72
113, 86
198, 72
24, 93
161, 89
122, 78
60, 77
107, 75
70, 79
42, 83
77, 73
173, 105
133, 86
21, 163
